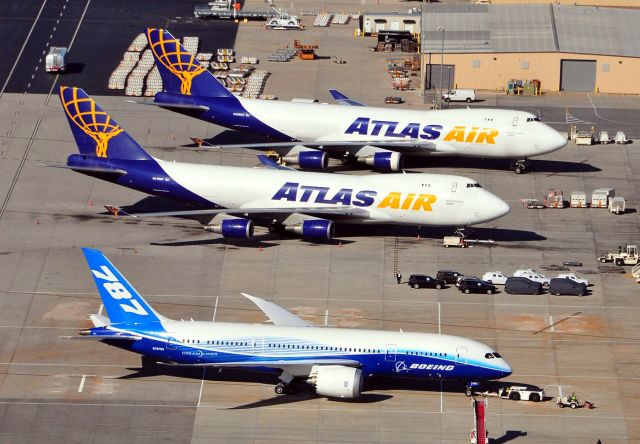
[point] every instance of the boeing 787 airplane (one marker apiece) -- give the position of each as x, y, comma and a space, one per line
305, 134
334, 361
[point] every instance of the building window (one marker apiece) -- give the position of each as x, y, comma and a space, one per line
475, 63
605, 67
524, 64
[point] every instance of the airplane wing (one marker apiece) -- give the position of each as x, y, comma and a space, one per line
272, 164
401, 146
277, 314
344, 100
336, 211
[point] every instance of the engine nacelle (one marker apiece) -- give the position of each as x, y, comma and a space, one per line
383, 161
230, 226
309, 159
313, 228
336, 381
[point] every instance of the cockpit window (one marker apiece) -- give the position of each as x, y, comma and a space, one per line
533, 119
497, 355
489, 356
474, 185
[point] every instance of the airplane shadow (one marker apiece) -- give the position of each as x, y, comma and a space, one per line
509, 435
537, 165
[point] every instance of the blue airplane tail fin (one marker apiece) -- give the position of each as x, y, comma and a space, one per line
122, 302
181, 72
95, 131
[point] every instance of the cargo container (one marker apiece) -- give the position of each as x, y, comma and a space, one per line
578, 199
617, 205
600, 197
554, 198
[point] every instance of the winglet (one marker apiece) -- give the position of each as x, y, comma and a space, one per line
277, 314
270, 163
344, 100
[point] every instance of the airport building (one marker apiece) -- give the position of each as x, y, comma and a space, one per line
565, 47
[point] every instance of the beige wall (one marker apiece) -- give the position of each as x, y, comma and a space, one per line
494, 74
612, 3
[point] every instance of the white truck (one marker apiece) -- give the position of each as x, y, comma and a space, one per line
56, 60
532, 275
574, 278
460, 95
495, 277
513, 392
454, 241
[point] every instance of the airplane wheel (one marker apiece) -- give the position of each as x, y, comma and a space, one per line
290, 389
279, 389
468, 392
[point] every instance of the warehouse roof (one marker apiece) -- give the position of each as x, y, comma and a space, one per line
531, 28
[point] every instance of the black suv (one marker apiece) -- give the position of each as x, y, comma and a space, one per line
476, 286
424, 281
449, 276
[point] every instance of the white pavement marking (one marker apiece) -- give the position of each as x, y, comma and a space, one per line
22, 49
439, 320
215, 310
73, 38
552, 329
326, 317
560, 391
84, 377
441, 398
204, 370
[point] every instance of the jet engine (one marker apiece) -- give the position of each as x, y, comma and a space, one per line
336, 381
231, 226
312, 228
383, 161
309, 159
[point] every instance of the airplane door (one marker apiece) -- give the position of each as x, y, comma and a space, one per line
171, 345
454, 187
390, 354
258, 344
461, 354
515, 121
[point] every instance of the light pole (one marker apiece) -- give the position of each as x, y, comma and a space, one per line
441, 28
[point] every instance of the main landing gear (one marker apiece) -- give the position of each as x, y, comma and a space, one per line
519, 166
281, 388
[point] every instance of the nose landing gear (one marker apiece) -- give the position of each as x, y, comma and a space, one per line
281, 388
519, 166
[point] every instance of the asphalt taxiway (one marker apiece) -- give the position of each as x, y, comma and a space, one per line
55, 390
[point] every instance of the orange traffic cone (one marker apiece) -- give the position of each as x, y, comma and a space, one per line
260, 248
90, 203
37, 221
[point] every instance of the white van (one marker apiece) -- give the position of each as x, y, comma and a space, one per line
460, 95
532, 275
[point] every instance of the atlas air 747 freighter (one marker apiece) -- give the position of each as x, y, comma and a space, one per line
333, 360
306, 133
230, 199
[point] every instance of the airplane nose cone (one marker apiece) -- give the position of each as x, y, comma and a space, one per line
495, 209
507, 370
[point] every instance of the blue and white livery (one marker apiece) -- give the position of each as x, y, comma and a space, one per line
305, 133
333, 360
228, 200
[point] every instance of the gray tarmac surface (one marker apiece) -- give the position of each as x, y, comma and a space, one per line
52, 390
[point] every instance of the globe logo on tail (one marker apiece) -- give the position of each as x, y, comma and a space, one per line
94, 122
173, 56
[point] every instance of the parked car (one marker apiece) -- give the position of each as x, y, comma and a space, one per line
476, 286
574, 278
449, 276
424, 281
460, 95
522, 285
532, 275
495, 277
462, 279
560, 286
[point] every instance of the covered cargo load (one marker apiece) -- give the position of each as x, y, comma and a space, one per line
578, 199
55, 61
600, 197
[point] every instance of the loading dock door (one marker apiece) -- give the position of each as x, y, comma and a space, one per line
578, 75
433, 77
